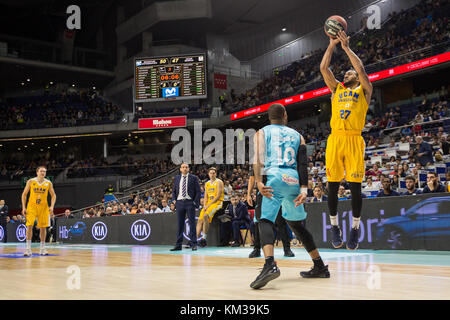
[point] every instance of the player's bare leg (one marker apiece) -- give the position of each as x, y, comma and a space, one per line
28, 251
43, 234
204, 228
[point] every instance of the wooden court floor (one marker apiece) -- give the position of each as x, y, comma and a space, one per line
144, 272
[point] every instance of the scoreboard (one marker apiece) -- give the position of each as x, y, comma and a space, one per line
170, 78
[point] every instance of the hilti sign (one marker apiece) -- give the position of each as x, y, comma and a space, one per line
444, 57
168, 122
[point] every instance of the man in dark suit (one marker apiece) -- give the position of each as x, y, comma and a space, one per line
186, 192
318, 195
3, 214
239, 216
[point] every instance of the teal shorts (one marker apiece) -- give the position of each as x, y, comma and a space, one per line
285, 188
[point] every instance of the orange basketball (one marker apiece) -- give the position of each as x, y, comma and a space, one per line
333, 25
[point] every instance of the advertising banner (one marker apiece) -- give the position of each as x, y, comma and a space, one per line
166, 122
395, 71
419, 222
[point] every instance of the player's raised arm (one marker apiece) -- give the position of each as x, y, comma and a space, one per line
325, 70
357, 65
24, 197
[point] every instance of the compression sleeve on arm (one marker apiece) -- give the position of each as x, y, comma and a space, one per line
302, 165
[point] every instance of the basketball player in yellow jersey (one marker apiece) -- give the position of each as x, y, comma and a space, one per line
344, 155
212, 202
38, 208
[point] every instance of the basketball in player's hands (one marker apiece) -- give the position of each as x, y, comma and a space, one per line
333, 25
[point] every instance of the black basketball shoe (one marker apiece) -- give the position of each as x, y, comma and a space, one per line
316, 272
269, 272
288, 253
202, 243
256, 253
352, 243
336, 239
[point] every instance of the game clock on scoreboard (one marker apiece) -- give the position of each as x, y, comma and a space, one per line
170, 78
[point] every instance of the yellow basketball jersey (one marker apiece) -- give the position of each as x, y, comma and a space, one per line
39, 193
211, 189
348, 109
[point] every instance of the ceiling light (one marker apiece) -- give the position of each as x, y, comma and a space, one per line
283, 29
28, 80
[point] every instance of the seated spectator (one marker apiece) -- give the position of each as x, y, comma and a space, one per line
425, 152
411, 187
370, 185
395, 182
387, 190
108, 212
318, 195
154, 208
165, 207
239, 216
133, 209
375, 171
85, 214
343, 194
172, 207
68, 214
433, 184
20, 219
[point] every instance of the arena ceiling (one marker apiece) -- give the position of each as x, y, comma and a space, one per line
42, 19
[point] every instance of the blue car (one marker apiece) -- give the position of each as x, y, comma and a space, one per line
77, 231
426, 225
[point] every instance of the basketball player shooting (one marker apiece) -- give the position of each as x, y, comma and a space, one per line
281, 156
345, 146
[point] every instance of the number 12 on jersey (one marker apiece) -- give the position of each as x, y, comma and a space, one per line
345, 114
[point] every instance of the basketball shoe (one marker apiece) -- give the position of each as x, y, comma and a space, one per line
268, 273
336, 239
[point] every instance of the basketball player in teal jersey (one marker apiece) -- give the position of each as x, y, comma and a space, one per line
278, 149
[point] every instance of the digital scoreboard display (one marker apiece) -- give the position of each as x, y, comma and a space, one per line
169, 78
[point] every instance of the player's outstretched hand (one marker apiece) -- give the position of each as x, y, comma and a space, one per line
344, 39
265, 191
301, 198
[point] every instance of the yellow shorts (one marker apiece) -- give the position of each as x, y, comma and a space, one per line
42, 214
212, 209
345, 156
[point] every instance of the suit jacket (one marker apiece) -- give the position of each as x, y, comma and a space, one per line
241, 212
3, 213
324, 198
428, 156
193, 188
